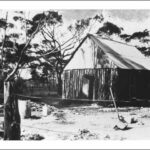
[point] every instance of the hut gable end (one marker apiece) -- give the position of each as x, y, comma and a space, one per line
89, 56
97, 52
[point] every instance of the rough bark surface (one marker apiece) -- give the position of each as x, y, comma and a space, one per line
59, 86
11, 113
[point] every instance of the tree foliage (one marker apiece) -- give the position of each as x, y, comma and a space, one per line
109, 29
15, 46
58, 43
143, 37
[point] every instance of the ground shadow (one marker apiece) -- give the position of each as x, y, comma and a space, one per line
35, 117
123, 129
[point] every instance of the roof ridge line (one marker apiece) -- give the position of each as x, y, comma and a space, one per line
111, 40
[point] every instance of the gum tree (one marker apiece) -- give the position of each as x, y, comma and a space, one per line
14, 55
59, 41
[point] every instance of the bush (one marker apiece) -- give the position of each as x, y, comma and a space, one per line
20, 85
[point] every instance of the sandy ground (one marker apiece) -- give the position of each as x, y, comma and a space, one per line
87, 123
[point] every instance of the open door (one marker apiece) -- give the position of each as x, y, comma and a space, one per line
88, 86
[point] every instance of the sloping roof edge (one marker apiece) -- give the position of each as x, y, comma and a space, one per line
91, 36
80, 44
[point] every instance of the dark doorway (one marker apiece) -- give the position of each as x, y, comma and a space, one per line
87, 87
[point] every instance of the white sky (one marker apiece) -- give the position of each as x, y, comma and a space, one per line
130, 20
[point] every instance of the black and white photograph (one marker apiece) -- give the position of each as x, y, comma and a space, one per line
74, 74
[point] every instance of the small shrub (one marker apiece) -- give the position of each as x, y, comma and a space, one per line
32, 137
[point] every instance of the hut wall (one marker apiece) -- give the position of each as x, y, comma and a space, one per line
132, 84
96, 81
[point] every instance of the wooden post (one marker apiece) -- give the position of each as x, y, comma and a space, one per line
11, 113
63, 86
94, 84
94, 88
59, 84
24, 108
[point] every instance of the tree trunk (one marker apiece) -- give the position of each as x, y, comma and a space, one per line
59, 85
11, 113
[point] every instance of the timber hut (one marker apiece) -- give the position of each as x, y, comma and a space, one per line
98, 64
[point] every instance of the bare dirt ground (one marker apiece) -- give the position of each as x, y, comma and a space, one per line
85, 123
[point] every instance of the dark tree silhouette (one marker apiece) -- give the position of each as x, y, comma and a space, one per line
109, 29
143, 37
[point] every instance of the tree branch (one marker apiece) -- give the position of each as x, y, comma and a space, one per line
2, 53
22, 52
